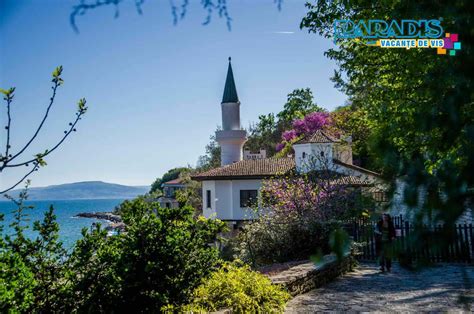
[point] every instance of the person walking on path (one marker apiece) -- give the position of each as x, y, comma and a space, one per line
384, 235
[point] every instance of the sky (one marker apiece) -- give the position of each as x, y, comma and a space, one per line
153, 88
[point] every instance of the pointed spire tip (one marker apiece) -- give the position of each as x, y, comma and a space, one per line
230, 92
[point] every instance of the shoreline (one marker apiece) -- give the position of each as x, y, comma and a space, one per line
115, 222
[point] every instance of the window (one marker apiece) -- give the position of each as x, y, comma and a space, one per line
208, 198
322, 154
380, 196
248, 198
303, 155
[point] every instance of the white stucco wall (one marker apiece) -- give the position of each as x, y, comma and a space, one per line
313, 158
225, 198
211, 186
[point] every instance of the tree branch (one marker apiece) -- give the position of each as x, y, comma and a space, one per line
38, 160
36, 167
7, 147
49, 151
55, 87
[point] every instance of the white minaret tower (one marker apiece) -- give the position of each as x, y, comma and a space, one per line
232, 137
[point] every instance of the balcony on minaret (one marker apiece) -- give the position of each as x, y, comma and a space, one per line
231, 138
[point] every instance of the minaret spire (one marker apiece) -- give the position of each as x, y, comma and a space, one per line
231, 138
230, 92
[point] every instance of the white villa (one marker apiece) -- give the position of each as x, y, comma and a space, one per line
227, 190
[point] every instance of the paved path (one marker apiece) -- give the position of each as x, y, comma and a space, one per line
367, 290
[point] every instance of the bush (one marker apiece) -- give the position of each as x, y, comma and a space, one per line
160, 259
300, 214
31, 268
273, 239
234, 286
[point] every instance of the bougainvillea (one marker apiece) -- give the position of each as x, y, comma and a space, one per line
289, 135
301, 197
298, 216
311, 123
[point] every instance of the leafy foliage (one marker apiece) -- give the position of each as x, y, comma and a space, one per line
418, 104
300, 102
33, 267
304, 213
160, 259
234, 286
212, 158
191, 194
268, 131
264, 134
354, 121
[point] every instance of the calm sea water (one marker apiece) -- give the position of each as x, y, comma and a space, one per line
70, 227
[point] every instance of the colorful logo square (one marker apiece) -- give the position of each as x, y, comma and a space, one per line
450, 45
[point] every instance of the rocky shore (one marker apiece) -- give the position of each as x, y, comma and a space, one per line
115, 221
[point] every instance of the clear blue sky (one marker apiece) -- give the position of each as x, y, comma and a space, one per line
153, 88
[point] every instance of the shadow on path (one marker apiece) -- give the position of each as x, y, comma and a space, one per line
440, 288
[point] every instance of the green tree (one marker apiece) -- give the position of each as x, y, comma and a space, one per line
33, 267
419, 104
353, 120
191, 194
267, 132
160, 259
300, 102
212, 158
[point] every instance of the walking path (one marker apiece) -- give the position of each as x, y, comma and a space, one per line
367, 289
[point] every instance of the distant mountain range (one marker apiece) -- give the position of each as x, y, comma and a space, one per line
83, 190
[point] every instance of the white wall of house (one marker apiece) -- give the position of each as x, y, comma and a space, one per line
308, 156
209, 212
225, 198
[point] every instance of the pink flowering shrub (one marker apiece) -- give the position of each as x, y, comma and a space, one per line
280, 146
300, 197
289, 135
299, 127
298, 217
316, 121
311, 123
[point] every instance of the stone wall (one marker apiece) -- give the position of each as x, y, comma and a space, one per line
305, 277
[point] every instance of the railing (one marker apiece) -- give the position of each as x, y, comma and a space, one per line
437, 243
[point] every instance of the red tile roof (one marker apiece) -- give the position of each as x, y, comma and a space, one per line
318, 137
249, 169
337, 161
173, 182
270, 167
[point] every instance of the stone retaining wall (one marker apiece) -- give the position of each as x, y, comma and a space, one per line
305, 277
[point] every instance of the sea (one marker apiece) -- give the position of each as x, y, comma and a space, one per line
65, 210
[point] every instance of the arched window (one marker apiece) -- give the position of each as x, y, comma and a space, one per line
303, 155
322, 154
